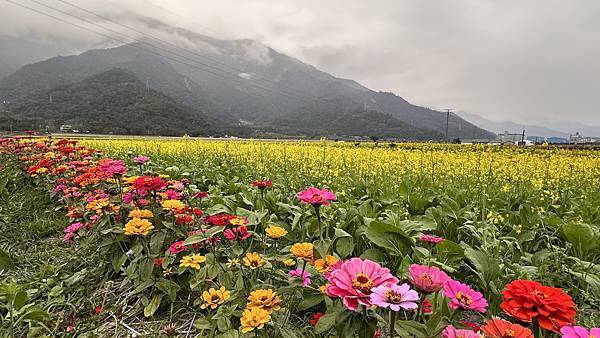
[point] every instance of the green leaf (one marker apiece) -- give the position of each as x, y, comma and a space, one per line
203, 324
152, 305
145, 266
168, 287
203, 236
487, 266
325, 323
583, 237
157, 241
344, 246
390, 237
34, 314
6, 263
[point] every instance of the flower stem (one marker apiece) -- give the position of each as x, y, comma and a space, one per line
536, 328
318, 213
392, 323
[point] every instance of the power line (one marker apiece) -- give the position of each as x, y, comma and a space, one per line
137, 45
154, 37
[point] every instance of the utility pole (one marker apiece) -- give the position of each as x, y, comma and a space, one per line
447, 122
523, 137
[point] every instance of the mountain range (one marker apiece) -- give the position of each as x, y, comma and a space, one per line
235, 87
562, 129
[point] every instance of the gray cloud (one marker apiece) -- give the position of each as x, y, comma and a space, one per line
529, 61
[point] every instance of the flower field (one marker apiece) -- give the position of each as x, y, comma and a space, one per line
239, 238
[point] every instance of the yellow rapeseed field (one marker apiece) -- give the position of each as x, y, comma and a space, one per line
327, 162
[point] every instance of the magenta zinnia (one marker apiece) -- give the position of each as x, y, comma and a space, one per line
354, 280
395, 297
427, 278
462, 296
316, 197
579, 332
452, 332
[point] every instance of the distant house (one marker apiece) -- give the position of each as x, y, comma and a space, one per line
580, 139
509, 138
66, 127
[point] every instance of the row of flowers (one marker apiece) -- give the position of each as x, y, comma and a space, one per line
101, 193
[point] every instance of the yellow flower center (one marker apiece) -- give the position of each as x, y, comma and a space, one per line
464, 299
508, 333
362, 282
393, 297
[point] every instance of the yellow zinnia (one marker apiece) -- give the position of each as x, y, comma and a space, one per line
213, 298
303, 251
253, 260
137, 226
289, 262
141, 213
254, 318
264, 299
324, 264
275, 231
193, 261
172, 205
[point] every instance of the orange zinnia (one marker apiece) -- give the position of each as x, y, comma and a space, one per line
525, 300
499, 328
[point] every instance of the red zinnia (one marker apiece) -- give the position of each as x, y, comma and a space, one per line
262, 184
315, 318
525, 300
499, 328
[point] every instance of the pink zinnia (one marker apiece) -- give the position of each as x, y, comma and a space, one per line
240, 233
316, 197
431, 239
579, 332
462, 296
140, 160
74, 227
298, 273
177, 247
452, 332
395, 297
427, 278
354, 279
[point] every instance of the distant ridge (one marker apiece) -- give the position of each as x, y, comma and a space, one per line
271, 93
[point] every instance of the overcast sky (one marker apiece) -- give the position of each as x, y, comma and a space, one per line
523, 60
